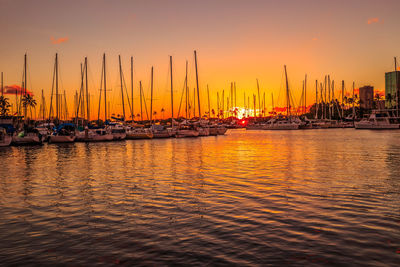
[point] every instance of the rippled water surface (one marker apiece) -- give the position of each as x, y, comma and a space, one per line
316, 197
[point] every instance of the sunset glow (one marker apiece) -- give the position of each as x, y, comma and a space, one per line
238, 41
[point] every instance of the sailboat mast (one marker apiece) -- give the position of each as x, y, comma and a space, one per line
305, 94
132, 113
197, 83
254, 104
234, 85
25, 85
263, 112
287, 95
218, 112
172, 91
244, 102
65, 106
208, 96
105, 86
273, 106
342, 98
227, 106
43, 106
397, 86
141, 108
122, 87
230, 109
354, 112
248, 106
57, 102
329, 97
79, 105
259, 105
101, 84
333, 99
87, 91
316, 99
186, 90
151, 97
194, 102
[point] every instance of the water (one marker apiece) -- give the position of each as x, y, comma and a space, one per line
313, 197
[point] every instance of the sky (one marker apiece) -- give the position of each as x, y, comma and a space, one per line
236, 41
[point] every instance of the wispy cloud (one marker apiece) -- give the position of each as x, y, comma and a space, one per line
374, 20
59, 40
15, 89
314, 39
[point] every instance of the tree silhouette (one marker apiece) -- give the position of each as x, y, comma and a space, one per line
29, 102
162, 111
4, 106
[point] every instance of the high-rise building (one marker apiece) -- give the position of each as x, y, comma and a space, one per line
392, 85
367, 97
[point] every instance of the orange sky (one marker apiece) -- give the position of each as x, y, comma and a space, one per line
236, 40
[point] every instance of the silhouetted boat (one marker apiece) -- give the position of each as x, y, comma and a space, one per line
139, 133
118, 132
28, 136
160, 131
65, 133
187, 131
378, 121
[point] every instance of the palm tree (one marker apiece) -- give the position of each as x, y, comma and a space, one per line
28, 101
4, 106
162, 111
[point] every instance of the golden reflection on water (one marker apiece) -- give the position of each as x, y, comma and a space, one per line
293, 188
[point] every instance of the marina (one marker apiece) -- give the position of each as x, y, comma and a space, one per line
200, 133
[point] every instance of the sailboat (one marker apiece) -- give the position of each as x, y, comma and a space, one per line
281, 122
378, 121
27, 135
187, 130
118, 131
96, 134
172, 131
159, 131
135, 132
65, 133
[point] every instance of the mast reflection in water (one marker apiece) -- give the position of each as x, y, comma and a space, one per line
324, 197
